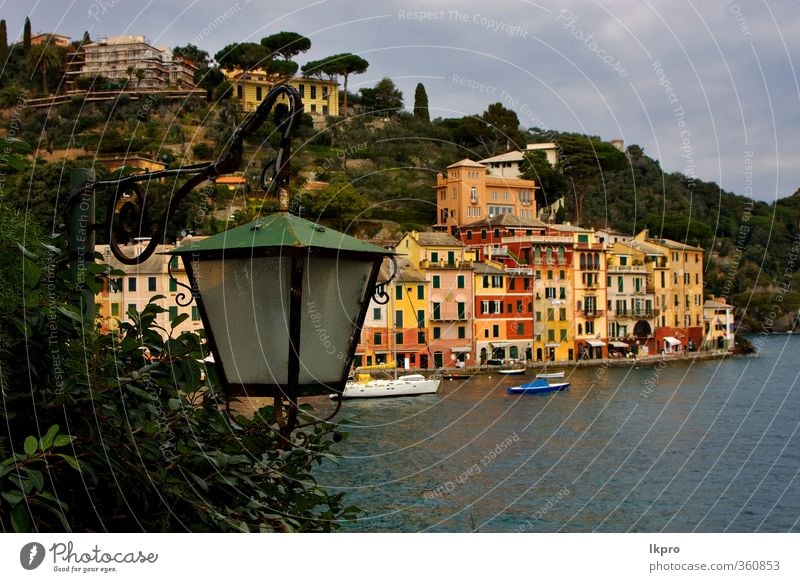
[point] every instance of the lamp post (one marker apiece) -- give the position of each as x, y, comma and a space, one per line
282, 299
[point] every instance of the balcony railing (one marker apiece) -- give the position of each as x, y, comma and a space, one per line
519, 271
591, 313
627, 269
634, 313
427, 264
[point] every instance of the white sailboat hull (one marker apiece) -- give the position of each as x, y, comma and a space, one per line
410, 385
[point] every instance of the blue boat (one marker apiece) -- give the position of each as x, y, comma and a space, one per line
538, 386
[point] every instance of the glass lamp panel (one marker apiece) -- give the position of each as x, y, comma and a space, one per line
247, 304
333, 292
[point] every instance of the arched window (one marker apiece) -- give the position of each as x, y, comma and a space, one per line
537, 253
561, 253
583, 261
580, 329
549, 254
597, 260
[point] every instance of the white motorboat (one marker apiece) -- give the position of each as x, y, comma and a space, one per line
364, 386
550, 375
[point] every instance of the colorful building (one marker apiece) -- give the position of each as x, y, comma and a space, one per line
469, 193
320, 97
448, 269
140, 283
718, 318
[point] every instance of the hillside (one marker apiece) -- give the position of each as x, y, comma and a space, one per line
381, 171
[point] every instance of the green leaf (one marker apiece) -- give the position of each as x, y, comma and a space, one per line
71, 461
5, 470
63, 440
36, 478
20, 519
178, 320
199, 480
30, 446
47, 440
26, 252
71, 314
13, 497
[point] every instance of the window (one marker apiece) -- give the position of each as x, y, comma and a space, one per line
195, 313
173, 285
437, 311
519, 306
258, 93
620, 284
520, 328
583, 238
116, 284
495, 331
420, 337
562, 275
484, 307
562, 292
462, 310
239, 91
151, 283
497, 281
434, 257
436, 282
131, 283
486, 332
460, 283
462, 332
173, 311
550, 313
377, 338
451, 258
115, 309
663, 283
398, 318
420, 292
420, 318
302, 90
562, 314
398, 338
437, 332
589, 327
398, 292
551, 335
549, 275
313, 89
563, 335
376, 313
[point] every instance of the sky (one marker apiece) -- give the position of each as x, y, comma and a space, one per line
708, 88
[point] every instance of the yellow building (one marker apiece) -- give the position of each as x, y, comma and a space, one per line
678, 289
589, 301
142, 282
320, 97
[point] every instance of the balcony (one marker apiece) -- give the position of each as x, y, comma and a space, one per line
591, 313
627, 269
427, 264
519, 271
634, 314
496, 251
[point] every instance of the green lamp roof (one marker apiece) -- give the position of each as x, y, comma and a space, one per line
279, 230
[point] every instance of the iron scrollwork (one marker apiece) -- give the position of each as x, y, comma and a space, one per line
128, 209
381, 297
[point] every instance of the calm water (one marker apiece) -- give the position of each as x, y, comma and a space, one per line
712, 446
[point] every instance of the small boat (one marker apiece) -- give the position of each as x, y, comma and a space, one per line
513, 371
365, 386
538, 386
550, 375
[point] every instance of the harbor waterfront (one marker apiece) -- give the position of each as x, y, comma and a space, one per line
668, 445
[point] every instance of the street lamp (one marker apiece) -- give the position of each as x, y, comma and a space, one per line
282, 301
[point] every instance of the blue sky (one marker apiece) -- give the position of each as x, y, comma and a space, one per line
708, 88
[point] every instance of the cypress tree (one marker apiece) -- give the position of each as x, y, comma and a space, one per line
421, 103
3, 40
26, 36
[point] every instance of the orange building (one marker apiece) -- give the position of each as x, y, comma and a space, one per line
469, 193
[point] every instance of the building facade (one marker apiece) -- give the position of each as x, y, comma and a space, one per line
320, 97
469, 193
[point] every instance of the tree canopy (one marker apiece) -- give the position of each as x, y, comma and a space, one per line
421, 103
384, 99
286, 44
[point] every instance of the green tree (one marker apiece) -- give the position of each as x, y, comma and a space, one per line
551, 184
26, 36
495, 131
340, 203
45, 57
208, 78
191, 53
286, 44
242, 55
344, 64
421, 103
583, 160
140, 74
383, 99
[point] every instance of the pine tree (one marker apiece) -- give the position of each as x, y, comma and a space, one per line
26, 36
421, 103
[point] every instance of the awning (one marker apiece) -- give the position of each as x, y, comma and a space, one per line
672, 341
596, 343
461, 350
551, 345
619, 344
500, 344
